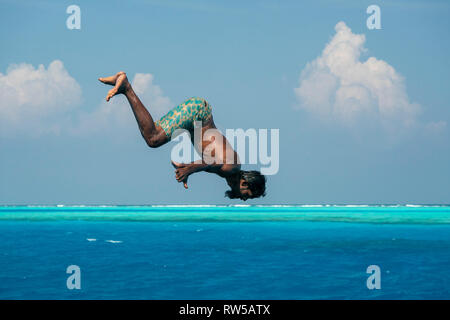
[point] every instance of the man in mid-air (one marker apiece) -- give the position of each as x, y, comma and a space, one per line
225, 163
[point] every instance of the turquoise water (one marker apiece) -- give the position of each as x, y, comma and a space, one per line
366, 214
211, 252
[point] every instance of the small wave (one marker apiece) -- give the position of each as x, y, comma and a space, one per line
91, 239
113, 241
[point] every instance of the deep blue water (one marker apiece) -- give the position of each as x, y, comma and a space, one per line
182, 258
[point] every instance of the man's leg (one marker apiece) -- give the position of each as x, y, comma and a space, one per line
153, 135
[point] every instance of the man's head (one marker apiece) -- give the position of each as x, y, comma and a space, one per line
252, 184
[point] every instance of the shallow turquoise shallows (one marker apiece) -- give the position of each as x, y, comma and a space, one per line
410, 214
225, 252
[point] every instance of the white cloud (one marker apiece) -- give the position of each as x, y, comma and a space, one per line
40, 100
31, 98
117, 114
338, 86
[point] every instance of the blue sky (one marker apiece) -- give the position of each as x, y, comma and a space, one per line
61, 144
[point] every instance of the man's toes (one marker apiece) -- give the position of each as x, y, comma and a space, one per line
111, 94
108, 80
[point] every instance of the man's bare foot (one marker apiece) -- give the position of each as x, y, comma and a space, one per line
120, 83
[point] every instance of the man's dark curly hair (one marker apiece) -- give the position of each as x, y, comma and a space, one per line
256, 183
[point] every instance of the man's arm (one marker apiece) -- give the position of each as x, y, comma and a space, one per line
184, 170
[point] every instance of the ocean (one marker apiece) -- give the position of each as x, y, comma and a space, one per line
225, 252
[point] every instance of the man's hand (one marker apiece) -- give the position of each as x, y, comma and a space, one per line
182, 172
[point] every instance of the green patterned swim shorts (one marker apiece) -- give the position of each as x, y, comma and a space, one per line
184, 115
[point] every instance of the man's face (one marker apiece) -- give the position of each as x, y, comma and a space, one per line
244, 190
